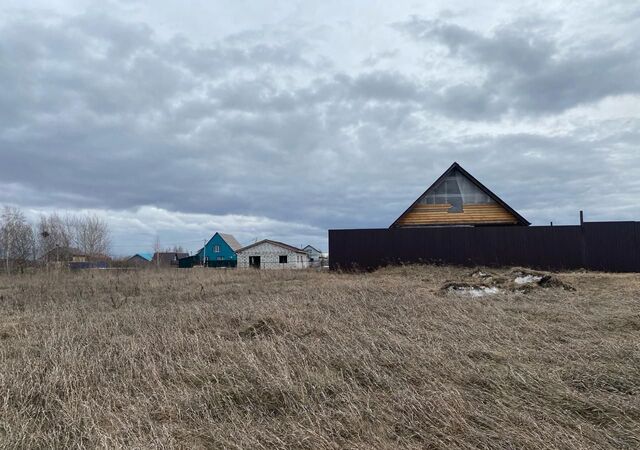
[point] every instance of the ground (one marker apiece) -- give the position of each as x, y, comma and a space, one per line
418, 357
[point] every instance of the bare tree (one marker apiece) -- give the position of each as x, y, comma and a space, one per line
17, 238
55, 235
92, 235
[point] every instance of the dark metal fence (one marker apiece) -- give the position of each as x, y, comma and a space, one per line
226, 263
191, 261
606, 246
81, 265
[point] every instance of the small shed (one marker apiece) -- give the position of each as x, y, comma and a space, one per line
268, 254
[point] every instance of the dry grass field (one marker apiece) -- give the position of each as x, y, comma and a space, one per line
248, 359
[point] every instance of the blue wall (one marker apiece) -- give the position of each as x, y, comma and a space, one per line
225, 252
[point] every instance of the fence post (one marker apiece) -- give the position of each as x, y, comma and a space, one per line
583, 241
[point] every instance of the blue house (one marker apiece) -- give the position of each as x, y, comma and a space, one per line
220, 251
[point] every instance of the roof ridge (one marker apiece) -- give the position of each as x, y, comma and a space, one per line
271, 241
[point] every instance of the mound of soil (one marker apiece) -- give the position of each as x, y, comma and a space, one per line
480, 283
549, 281
528, 279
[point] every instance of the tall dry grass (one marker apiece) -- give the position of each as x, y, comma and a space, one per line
245, 359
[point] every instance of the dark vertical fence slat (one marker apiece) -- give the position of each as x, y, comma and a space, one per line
609, 246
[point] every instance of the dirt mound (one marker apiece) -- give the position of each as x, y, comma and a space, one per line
480, 283
525, 280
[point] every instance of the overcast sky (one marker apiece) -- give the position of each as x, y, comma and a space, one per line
282, 119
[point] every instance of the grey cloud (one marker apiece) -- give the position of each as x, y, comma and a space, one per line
527, 71
385, 86
378, 57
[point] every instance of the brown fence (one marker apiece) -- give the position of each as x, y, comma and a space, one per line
606, 246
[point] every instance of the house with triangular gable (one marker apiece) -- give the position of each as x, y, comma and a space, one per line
458, 199
220, 250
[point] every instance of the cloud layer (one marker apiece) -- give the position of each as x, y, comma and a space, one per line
286, 126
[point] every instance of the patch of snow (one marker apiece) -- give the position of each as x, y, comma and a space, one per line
477, 291
527, 279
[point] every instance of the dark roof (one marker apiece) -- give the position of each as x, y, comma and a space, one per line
231, 241
167, 257
312, 248
269, 241
482, 187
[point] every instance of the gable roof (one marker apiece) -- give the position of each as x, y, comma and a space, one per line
312, 248
228, 238
144, 255
279, 244
231, 241
457, 167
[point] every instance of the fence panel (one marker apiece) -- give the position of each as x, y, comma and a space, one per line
612, 246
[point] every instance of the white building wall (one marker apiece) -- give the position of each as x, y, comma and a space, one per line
313, 254
270, 257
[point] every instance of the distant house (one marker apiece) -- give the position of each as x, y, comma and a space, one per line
268, 254
73, 258
220, 251
64, 255
140, 259
314, 253
167, 259
316, 257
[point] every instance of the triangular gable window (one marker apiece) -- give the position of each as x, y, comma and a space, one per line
455, 190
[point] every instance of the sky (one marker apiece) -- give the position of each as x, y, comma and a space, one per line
283, 119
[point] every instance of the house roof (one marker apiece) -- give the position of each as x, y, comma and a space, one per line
144, 255
279, 244
312, 248
455, 166
228, 238
231, 241
167, 257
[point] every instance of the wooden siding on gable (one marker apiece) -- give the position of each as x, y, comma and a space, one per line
457, 198
472, 214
